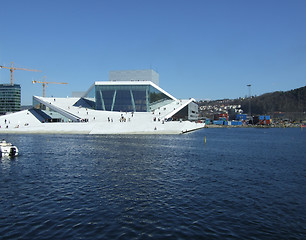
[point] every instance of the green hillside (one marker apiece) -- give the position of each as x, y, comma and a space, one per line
293, 101
280, 105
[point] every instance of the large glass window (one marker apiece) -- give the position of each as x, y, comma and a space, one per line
128, 98
157, 96
123, 101
91, 93
140, 99
105, 100
158, 99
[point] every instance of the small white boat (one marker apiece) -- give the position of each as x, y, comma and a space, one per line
7, 149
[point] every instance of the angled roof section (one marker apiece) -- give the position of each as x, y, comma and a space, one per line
180, 108
68, 115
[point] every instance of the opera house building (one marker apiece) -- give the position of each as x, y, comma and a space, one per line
131, 102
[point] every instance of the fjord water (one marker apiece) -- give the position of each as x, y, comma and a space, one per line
241, 184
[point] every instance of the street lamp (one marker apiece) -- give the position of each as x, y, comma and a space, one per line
249, 86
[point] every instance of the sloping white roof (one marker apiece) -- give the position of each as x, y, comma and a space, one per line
183, 103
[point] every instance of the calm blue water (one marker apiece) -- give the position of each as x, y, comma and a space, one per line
241, 184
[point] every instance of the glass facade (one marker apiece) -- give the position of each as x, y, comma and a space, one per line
127, 98
10, 96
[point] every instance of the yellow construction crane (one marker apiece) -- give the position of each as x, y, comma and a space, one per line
44, 83
12, 69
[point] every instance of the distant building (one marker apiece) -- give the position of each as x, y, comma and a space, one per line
135, 75
9, 98
77, 94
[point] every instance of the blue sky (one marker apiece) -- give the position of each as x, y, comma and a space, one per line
201, 49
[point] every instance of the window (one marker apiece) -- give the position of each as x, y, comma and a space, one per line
128, 98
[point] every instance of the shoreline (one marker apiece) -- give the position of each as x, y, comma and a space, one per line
256, 126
